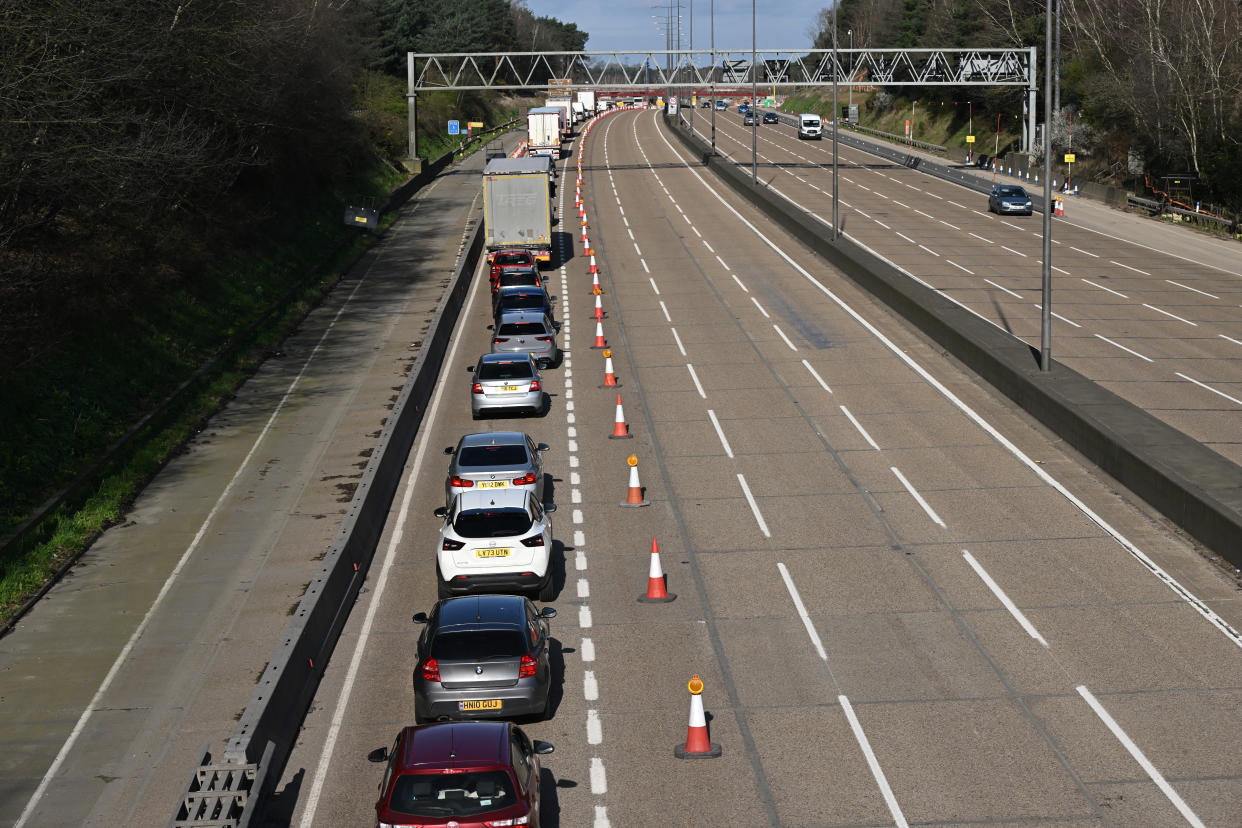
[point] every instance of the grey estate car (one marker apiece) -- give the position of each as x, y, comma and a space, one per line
525, 332
482, 656
505, 381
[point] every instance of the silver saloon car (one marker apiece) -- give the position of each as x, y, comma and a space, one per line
495, 460
482, 656
504, 382
525, 333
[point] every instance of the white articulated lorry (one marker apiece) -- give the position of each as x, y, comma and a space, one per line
517, 205
543, 132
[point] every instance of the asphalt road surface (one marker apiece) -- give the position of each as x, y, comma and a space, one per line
1154, 314
908, 604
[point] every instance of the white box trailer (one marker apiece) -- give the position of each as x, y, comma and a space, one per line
543, 131
586, 97
566, 106
517, 205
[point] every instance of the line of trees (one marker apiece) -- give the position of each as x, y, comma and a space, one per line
1159, 81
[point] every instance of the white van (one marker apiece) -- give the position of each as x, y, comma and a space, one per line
809, 126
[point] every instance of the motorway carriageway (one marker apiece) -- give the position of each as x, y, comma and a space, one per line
907, 603
1163, 331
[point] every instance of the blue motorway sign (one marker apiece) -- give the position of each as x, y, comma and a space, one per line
454, 127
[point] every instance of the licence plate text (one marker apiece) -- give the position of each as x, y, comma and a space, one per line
479, 704
491, 553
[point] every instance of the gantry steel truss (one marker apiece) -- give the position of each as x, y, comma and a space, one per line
680, 69
703, 69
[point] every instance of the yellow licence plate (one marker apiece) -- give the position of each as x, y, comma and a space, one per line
491, 553
510, 388
493, 484
479, 704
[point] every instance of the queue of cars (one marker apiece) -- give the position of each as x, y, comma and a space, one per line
482, 656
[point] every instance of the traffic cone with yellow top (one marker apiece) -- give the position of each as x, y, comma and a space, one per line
697, 745
634, 497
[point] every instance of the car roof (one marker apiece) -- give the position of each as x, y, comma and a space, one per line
512, 290
493, 438
522, 316
491, 611
509, 498
509, 357
455, 745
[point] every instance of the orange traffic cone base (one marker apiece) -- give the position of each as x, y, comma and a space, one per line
711, 751
657, 593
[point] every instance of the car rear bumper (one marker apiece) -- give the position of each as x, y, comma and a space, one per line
498, 582
524, 699
530, 401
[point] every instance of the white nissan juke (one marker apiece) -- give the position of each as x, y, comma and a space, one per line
498, 540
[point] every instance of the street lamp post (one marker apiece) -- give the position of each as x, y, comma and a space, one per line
712, 26
836, 116
913, 104
850, 32
1045, 313
754, 84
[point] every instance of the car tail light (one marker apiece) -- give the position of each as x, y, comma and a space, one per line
524, 480
525, 670
499, 339
431, 670
534, 385
459, 483
505, 823
477, 388
451, 545
534, 540
543, 339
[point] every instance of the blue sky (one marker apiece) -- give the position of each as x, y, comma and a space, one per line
627, 24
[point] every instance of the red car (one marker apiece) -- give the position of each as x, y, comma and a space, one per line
460, 774
508, 259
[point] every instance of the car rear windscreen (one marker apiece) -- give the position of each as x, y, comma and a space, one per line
512, 259
513, 454
523, 300
492, 523
521, 329
447, 795
478, 645
504, 370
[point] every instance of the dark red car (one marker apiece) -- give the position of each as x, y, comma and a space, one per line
507, 259
460, 774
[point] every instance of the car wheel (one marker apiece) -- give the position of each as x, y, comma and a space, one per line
547, 592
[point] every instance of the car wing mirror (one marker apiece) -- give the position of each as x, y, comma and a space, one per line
543, 447
450, 449
420, 618
547, 612
470, 369
490, 327
441, 511
380, 754
543, 748
550, 508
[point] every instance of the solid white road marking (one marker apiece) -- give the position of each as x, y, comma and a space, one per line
1018, 253
802, 613
1231, 339
1003, 598
820, 379
739, 282
929, 250
664, 308
1171, 315
653, 285
959, 267
1139, 757
907, 238
698, 386
720, 433
931, 513
1059, 316
754, 507
858, 426
1084, 252
390, 554
872, 762
760, 307
1210, 388
1124, 348
981, 238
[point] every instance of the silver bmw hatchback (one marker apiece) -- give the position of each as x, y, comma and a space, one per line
495, 460
525, 333
482, 656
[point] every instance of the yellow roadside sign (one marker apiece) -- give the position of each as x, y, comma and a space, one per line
970, 139
1069, 158
475, 124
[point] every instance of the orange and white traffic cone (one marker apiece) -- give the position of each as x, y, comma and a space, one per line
584, 235
599, 337
610, 379
594, 269
595, 288
634, 497
620, 431
599, 310
657, 592
697, 745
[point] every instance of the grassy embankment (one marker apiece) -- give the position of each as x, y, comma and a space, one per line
60, 412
